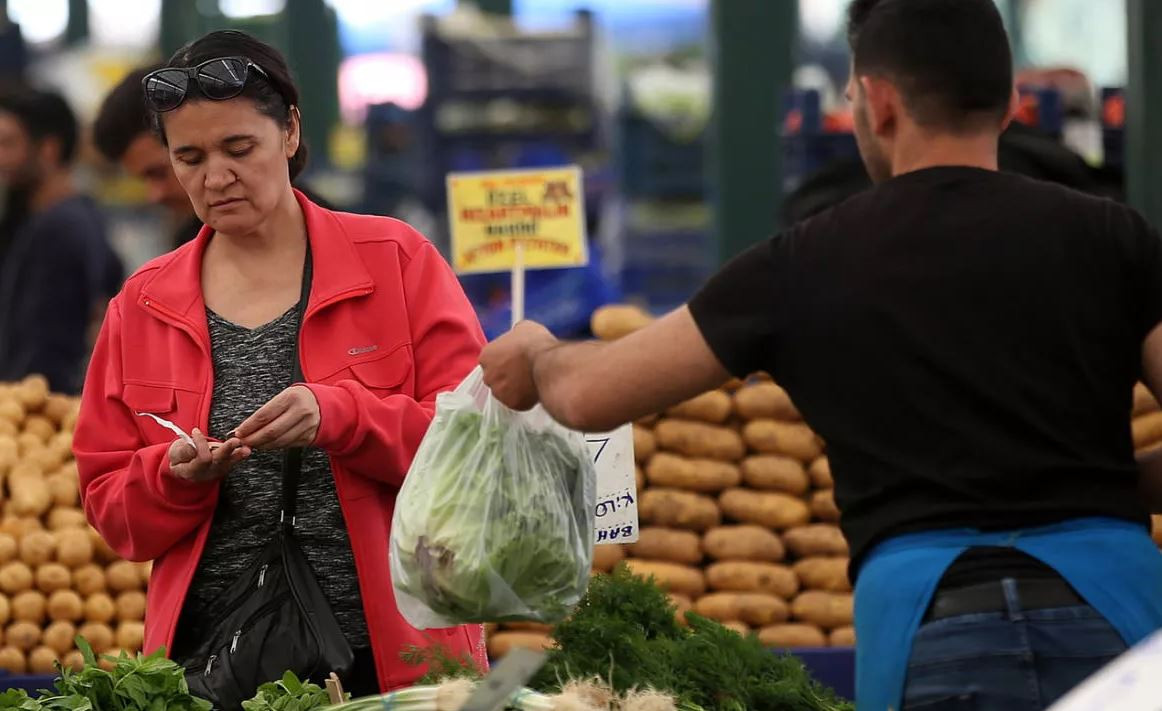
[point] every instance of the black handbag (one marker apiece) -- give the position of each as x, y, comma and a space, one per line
276, 619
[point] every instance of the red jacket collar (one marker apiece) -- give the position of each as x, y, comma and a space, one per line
177, 284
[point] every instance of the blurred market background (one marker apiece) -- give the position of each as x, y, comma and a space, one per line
701, 125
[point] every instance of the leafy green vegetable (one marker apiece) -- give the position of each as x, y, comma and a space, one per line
494, 523
141, 683
624, 632
288, 694
442, 665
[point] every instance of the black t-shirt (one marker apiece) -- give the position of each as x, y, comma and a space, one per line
965, 341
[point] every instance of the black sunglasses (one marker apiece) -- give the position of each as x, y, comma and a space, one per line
218, 79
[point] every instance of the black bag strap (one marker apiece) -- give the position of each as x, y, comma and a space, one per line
292, 459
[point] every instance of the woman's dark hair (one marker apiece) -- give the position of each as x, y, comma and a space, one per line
273, 95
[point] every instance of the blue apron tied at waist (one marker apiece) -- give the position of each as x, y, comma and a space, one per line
1113, 565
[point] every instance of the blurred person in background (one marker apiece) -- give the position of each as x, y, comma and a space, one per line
966, 341
206, 337
57, 268
123, 134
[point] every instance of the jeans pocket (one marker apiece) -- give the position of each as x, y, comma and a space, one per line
959, 702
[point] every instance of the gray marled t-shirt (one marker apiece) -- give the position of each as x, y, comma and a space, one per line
251, 366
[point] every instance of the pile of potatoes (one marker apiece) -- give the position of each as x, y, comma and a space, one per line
58, 578
1147, 431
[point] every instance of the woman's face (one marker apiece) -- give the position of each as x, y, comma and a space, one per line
232, 161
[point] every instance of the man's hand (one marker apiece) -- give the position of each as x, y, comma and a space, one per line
290, 419
508, 364
201, 462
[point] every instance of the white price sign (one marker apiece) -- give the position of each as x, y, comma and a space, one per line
615, 516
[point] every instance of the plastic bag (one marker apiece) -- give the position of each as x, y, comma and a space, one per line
495, 518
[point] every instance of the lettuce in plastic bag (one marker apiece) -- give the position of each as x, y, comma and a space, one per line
495, 518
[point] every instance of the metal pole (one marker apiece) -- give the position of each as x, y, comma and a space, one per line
1143, 107
752, 53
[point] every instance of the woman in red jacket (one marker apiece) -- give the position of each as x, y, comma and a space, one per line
205, 337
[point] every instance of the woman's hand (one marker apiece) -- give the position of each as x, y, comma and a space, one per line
201, 462
290, 419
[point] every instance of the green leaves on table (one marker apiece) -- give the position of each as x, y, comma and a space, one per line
288, 694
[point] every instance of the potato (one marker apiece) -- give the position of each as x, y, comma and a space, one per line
520, 626
69, 421
62, 486
40, 427
790, 439
792, 636
1157, 529
29, 606
764, 401
9, 548
73, 660
89, 579
610, 323
102, 552
42, 660
680, 509
776, 473
65, 605
12, 660
842, 637
22, 635
56, 407
764, 508
702, 475
97, 634
757, 609
12, 411
110, 664
130, 636
606, 557
1144, 401
15, 577
9, 450
737, 627
655, 543
74, 548
37, 548
743, 543
827, 610
61, 518
123, 576
28, 444
644, 444
682, 605
5, 610
145, 570
695, 439
8, 428
32, 392
816, 539
670, 576
1146, 429
131, 606
713, 407
99, 607
60, 636
820, 473
639, 478
827, 574
748, 576
29, 492
17, 527
502, 643
823, 507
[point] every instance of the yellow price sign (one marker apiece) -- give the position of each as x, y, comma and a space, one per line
512, 219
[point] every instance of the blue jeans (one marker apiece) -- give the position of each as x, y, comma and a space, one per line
1018, 660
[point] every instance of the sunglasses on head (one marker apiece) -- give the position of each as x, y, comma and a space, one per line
217, 79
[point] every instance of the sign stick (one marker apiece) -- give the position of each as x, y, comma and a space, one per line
518, 283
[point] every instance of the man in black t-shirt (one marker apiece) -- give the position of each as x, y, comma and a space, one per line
966, 342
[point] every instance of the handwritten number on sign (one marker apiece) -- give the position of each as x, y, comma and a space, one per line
604, 443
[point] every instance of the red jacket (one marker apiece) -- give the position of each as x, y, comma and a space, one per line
387, 327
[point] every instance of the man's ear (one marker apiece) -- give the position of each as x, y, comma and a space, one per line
884, 104
1014, 107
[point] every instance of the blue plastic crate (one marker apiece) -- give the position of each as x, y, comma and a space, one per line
655, 165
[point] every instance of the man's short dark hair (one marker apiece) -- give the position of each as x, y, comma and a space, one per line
123, 116
950, 59
44, 115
